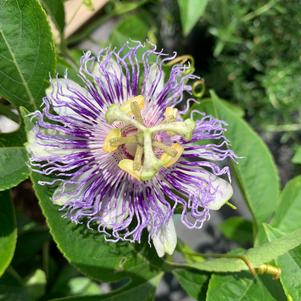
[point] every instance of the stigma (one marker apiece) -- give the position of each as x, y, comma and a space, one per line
149, 154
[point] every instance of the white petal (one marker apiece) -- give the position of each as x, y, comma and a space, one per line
7, 125
69, 192
223, 192
39, 150
116, 214
165, 240
152, 76
61, 90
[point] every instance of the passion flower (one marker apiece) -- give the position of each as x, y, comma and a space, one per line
122, 155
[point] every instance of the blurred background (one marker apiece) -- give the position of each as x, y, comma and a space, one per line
247, 51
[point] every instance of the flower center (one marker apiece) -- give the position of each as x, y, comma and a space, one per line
144, 143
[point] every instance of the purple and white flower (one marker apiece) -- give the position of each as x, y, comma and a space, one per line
120, 153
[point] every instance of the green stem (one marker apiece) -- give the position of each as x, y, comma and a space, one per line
284, 128
259, 11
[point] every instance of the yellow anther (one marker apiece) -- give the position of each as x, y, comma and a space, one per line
107, 146
170, 114
170, 160
138, 157
126, 106
167, 149
128, 166
136, 111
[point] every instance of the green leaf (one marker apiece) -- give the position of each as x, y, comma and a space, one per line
257, 255
36, 284
12, 289
68, 282
238, 229
190, 12
101, 260
234, 108
297, 157
193, 282
288, 214
13, 166
243, 287
256, 172
289, 263
8, 231
27, 52
56, 10
29, 244
17, 138
142, 292
135, 27
13, 158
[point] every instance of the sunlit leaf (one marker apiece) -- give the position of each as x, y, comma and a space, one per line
190, 12
243, 287
27, 52
297, 157
55, 8
142, 292
288, 214
256, 171
289, 263
256, 256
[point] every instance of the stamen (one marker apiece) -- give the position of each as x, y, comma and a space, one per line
168, 160
167, 149
143, 139
113, 134
117, 141
184, 128
126, 106
128, 166
170, 115
138, 157
115, 113
136, 111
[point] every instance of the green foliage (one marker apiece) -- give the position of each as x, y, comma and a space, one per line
256, 172
193, 282
297, 157
237, 229
257, 255
257, 56
27, 52
12, 288
142, 292
55, 9
136, 27
190, 12
289, 263
8, 231
255, 62
13, 166
101, 260
288, 215
243, 287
